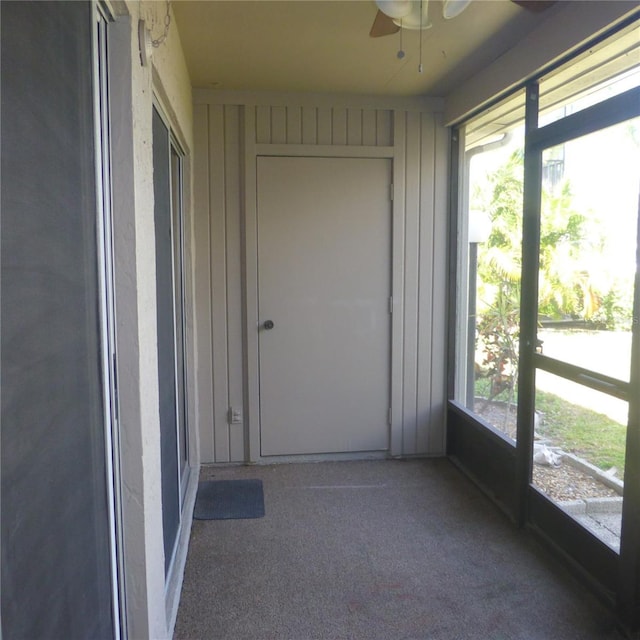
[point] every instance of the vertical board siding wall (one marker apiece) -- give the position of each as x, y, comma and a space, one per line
417, 142
424, 291
323, 126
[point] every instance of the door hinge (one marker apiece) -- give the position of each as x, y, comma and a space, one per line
390, 304
391, 192
389, 416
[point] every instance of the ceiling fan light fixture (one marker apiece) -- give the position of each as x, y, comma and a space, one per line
417, 18
396, 9
453, 8
393, 15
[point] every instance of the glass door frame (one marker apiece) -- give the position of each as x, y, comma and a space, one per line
615, 573
102, 17
173, 164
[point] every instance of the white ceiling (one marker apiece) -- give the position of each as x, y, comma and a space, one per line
324, 46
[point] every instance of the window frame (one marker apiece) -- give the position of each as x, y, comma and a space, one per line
507, 478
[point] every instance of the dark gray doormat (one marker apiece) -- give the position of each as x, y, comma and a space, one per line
229, 500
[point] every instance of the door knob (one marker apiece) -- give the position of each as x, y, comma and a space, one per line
268, 324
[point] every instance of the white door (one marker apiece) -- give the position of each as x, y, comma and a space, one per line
324, 273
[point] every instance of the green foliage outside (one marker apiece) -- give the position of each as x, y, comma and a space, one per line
498, 276
566, 288
570, 247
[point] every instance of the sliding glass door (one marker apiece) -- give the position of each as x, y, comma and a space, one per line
167, 166
58, 517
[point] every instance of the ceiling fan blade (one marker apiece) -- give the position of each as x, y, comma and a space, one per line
534, 5
383, 25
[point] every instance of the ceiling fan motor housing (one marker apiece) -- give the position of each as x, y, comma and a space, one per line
408, 14
396, 9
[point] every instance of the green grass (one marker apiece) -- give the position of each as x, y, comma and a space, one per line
590, 435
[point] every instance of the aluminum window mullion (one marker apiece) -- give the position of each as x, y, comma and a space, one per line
586, 377
532, 194
629, 575
600, 116
454, 207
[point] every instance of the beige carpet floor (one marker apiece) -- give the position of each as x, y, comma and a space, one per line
377, 550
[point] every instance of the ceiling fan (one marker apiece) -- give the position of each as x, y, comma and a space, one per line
413, 14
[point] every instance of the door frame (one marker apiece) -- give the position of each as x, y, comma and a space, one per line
102, 17
251, 320
381, 201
